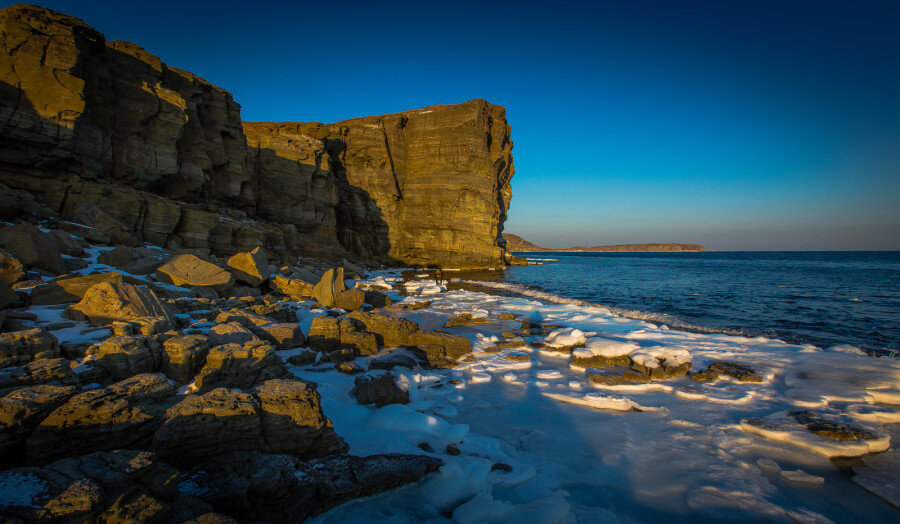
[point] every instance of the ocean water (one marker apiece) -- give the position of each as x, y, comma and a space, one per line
824, 298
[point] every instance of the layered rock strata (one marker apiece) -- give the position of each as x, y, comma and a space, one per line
107, 135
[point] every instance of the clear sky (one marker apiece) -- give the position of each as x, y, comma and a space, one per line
734, 124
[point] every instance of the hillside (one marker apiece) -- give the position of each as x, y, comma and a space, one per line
516, 243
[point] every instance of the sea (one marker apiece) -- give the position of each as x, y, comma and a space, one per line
845, 299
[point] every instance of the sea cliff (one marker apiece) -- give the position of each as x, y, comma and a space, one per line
107, 135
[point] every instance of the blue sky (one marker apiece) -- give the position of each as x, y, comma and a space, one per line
735, 124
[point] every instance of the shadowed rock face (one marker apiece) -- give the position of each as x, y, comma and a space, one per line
107, 135
425, 187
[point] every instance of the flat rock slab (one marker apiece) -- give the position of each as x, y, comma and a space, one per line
191, 271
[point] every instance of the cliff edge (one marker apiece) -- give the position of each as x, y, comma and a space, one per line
105, 134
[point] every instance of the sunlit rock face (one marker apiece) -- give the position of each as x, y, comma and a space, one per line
424, 187
107, 135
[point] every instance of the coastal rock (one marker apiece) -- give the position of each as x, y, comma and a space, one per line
127, 355
391, 331
188, 270
231, 333
118, 257
33, 247
380, 388
284, 336
21, 347
278, 416
21, 411
440, 349
239, 366
11, 268
67, 290
331, 334
116, 486
183, 356
738, 371
106, 302
110, 138
281, 488
53, 371
405, 199
124, 414
295, 288
331, 291
250, 267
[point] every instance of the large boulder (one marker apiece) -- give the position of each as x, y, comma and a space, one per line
188, 270
331, 334
439, 348
33, 247
380, 388
231, 333
250, 267
121, 415
106, 302
283, 335
7, 296
183, 356
332, 292
391, 331
21, 347
278, 416
68, 290
239, 366
281, 488
126, 355
296, 288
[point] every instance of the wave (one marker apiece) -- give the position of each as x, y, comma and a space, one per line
656, 318
543, 259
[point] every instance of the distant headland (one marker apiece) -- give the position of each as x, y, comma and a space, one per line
516, 243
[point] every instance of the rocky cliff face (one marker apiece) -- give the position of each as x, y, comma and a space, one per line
105, 134
429, 186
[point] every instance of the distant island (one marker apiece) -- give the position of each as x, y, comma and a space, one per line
516, 243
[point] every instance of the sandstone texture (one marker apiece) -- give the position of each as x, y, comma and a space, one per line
107, 135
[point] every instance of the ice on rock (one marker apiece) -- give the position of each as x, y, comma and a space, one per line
565, 338
784, 426
605, 347
598, 401
874, 413
549, 374
644, 358
423, 287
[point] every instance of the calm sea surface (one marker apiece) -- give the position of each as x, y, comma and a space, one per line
824, 298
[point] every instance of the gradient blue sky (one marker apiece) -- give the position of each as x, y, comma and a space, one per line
735, 124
